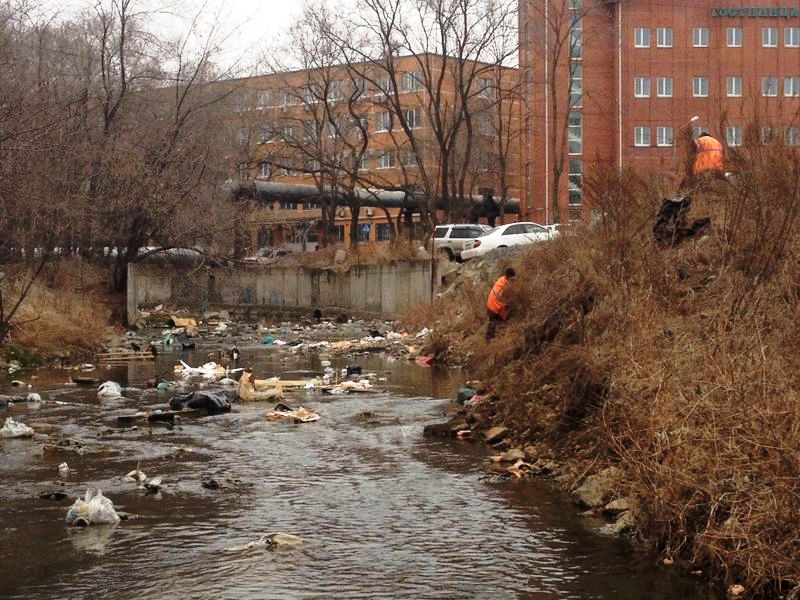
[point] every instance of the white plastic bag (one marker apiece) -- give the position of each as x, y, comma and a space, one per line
13, 429
110, 389
92, 510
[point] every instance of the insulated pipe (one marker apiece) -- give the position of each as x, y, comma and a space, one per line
295, 193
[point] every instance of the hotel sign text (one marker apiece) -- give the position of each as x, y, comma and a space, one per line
742, 11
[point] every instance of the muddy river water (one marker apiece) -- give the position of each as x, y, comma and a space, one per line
385, 512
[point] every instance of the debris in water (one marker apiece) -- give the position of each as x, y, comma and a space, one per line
94, 509
284, 411
271, 541
14, 429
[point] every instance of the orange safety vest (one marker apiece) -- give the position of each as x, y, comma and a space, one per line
493, 302
708, 156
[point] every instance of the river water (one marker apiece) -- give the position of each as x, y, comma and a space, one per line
385, 512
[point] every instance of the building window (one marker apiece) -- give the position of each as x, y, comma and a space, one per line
641, 87
262, 100
664, 37
244, 171
360, 86
310, 130
383, 232
340, 233
769, 86
385, 160
363, 231
664, 136
575, 36
791, 37
413, 117
791, 86
641, 136
286, 205
485, 126
241, 102
733, 135
791, 136
288, 97
312, 165
575, 132
363, 161
485, 87
311, 206
312, 93
664, 87
243, 136
575, 4
769, 37
383, 84
408, 158
700, 87
576, 85
335, 90
767, 134
641, 37
700, 37
383, 121
412, 81
734, 37
264, 134
697, 130
264, 169
287, 131
575, 182
734, 86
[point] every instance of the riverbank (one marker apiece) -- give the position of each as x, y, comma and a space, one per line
66, 316
676, 366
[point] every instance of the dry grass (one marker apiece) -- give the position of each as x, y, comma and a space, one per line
67, 310
680, 364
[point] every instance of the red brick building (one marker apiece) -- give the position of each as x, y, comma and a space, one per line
619, 81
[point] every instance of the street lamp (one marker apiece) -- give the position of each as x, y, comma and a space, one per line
677, 135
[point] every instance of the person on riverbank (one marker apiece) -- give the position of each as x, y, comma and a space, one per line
706, 160
497, 308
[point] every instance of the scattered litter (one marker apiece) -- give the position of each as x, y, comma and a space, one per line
33, 397
59, 495
63, 469
349, 387
17, 383
136, 476
14, 429
284, 411
13, 367
248, 393
424, 361
78, 380
213, 402
110, 390
210, 370
270, 541
94, 509
65, 445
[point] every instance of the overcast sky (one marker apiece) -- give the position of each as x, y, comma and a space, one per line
249, 27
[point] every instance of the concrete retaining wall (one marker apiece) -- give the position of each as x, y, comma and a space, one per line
384, 290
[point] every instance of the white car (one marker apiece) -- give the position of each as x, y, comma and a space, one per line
504, 236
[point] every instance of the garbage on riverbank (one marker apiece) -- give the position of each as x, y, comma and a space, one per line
678, 366
14, 429
298, 415
93, 509
271, 541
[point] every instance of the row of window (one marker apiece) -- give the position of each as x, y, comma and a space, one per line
384, 159
733, 37
664, 86
733, 135
313, 129
332, 91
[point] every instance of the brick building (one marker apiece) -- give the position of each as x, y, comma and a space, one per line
351, 125
619, 81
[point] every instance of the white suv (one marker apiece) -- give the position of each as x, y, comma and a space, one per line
449, 239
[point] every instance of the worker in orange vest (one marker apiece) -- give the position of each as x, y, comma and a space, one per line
496, 307
707, 155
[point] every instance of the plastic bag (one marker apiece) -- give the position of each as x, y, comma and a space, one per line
94, 509
110, 389
13, 429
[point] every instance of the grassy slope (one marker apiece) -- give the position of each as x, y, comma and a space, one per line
679, 365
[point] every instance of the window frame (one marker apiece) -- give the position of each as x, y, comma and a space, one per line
703, 34
794, 34
773, 41
733, 135
571, 129
665, 32
664, 136
644, 33
794, 86
769, 83
737, 35
641, 136
385, 153
703, 80
665, 80
381, 127
733, 79
645, 83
